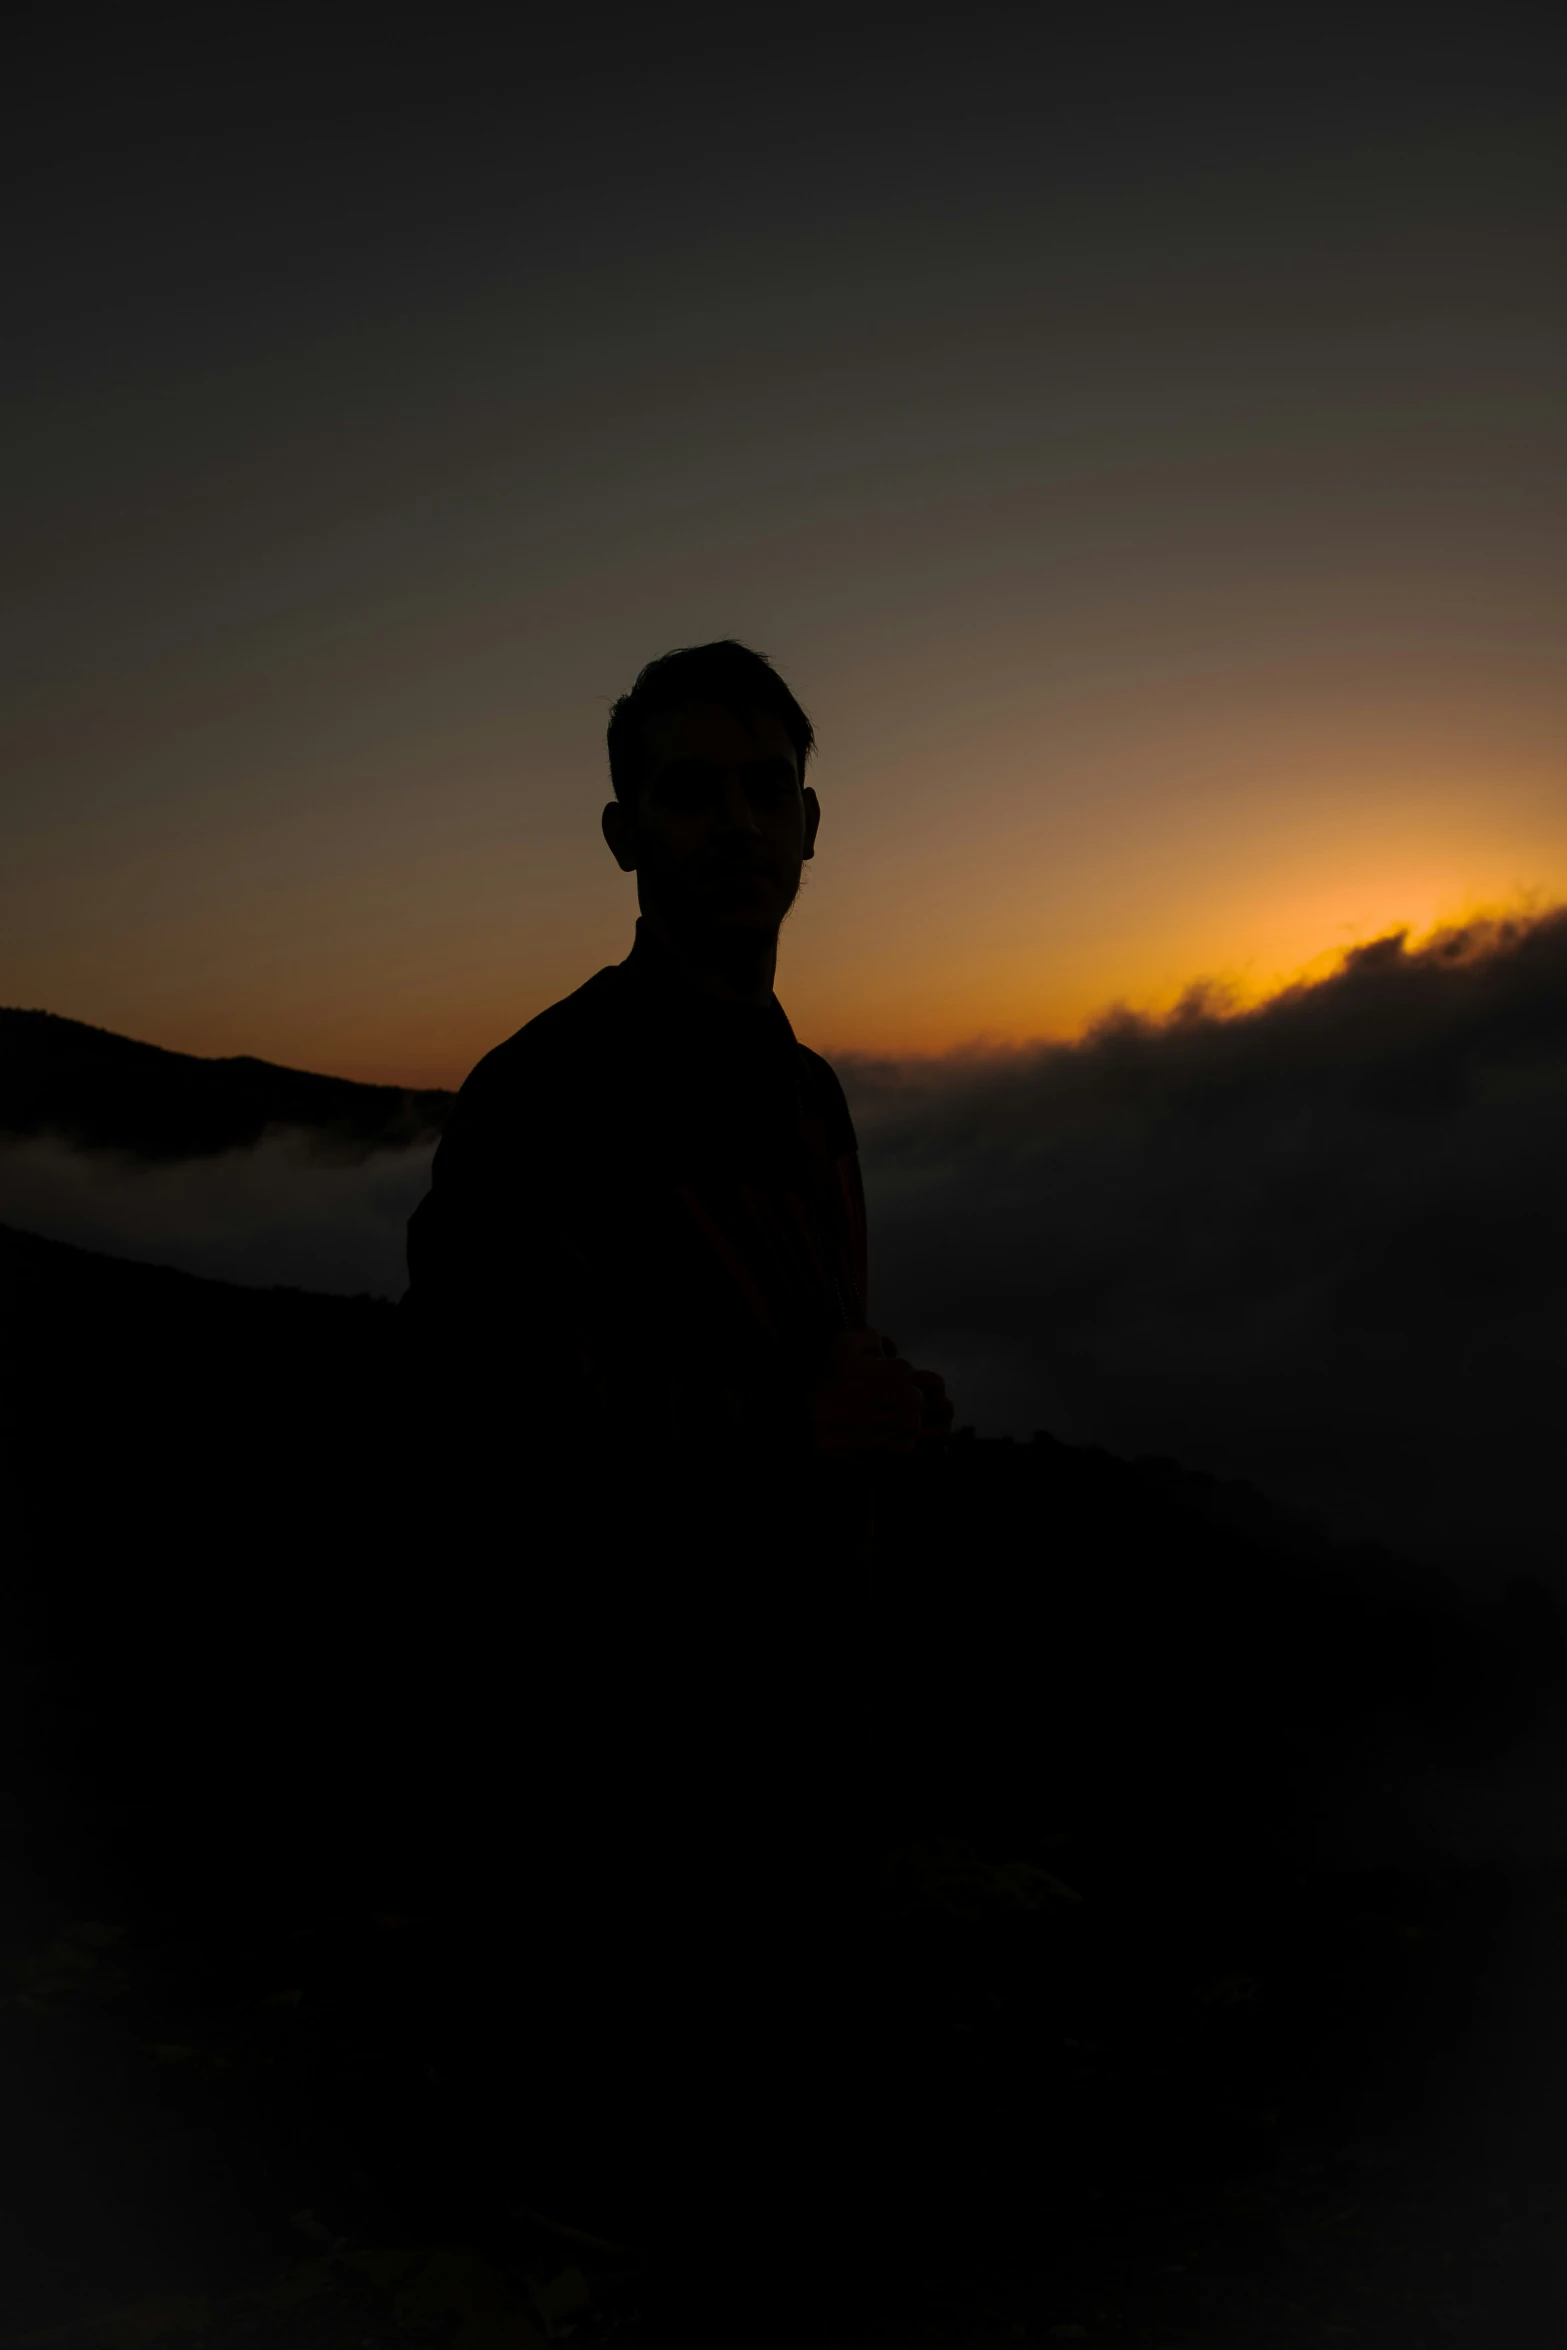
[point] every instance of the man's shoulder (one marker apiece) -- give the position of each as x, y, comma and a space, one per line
559, 1052
553, 1039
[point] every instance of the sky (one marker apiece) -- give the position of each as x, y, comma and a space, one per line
1146, 464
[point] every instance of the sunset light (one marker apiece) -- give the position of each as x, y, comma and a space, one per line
783, 1177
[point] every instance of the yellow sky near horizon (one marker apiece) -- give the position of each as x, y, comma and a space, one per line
1002, 875
1242, 975
1003, 1000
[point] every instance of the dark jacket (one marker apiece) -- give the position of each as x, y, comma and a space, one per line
645, 1225
646, 1218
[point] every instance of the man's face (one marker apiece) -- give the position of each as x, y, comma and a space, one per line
721, 825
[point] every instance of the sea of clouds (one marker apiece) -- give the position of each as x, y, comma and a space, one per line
1321, 1244
289, 1210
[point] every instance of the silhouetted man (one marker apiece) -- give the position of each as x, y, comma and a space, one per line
638, 1288
646, 1211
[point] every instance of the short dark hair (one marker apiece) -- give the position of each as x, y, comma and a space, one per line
727, 673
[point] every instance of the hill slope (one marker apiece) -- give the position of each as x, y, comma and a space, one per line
107, 1092
239, 1726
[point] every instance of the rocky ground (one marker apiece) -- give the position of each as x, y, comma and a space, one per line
1163, 2034
194, 2131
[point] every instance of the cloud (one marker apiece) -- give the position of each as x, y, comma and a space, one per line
1321, 1244
284, 1210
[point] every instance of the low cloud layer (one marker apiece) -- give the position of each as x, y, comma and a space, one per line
1321, 1244
285, 1210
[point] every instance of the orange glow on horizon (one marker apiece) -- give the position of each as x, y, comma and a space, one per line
1063, 882
1296, 944
989, 1007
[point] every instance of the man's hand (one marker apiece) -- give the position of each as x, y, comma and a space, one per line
869, 1400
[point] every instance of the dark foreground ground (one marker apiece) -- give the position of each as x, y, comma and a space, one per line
1210, 1992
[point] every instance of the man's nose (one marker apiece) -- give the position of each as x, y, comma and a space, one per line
736, 813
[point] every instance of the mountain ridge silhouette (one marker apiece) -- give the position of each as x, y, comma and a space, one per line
98, 1350
244, 1702
105, 1092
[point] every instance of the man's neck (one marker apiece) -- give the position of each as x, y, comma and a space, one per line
737, 966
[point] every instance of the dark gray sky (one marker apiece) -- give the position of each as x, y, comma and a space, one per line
1145, 462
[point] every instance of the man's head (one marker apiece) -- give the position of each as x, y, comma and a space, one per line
707, 755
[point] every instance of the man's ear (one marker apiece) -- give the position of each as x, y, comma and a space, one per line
619, 829
813, 817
